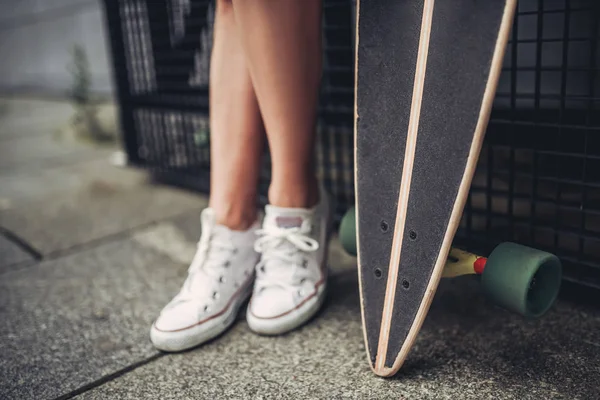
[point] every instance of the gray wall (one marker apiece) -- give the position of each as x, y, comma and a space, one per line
36, 37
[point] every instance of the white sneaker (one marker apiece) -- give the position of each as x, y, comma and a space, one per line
219, 281
291, 278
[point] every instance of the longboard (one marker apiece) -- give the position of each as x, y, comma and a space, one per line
426, 76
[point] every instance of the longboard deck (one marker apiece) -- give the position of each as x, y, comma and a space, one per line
426, 77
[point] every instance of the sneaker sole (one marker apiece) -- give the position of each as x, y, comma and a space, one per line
175, 341
289, 321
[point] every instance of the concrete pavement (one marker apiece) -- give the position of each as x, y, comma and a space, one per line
89, 253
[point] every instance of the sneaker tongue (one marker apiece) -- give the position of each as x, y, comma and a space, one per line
286, 218
288, 221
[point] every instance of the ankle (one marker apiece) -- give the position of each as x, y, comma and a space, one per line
237, 222
235, 218
304, 194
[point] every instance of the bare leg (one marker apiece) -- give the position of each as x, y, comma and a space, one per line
236, 126
282, 43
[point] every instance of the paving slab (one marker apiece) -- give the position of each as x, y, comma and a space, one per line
30, 135
71, 321
59, 208
28, 116
29, 152
11, 253
57, 193
468, 349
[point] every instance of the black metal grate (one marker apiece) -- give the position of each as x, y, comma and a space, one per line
538, 180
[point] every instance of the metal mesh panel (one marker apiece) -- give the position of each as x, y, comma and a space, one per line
538, 179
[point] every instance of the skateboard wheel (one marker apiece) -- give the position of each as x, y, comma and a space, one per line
348, 231
522, 279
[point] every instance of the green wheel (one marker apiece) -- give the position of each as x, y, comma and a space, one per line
522, 279
348, 231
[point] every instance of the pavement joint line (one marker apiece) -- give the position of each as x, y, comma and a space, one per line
110, 377
18, 266
78, 248
21, 243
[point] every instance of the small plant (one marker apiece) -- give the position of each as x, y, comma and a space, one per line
85, 121
80, 91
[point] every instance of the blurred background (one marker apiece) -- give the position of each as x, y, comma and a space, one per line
104, 168
36, 43
536, 182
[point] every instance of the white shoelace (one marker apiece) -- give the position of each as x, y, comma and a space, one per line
212, 256
282, 263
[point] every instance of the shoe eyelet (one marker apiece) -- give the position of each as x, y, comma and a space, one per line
304, 263
262, 269
302, 280
227, 264
205, 308
221, 279
215, 295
